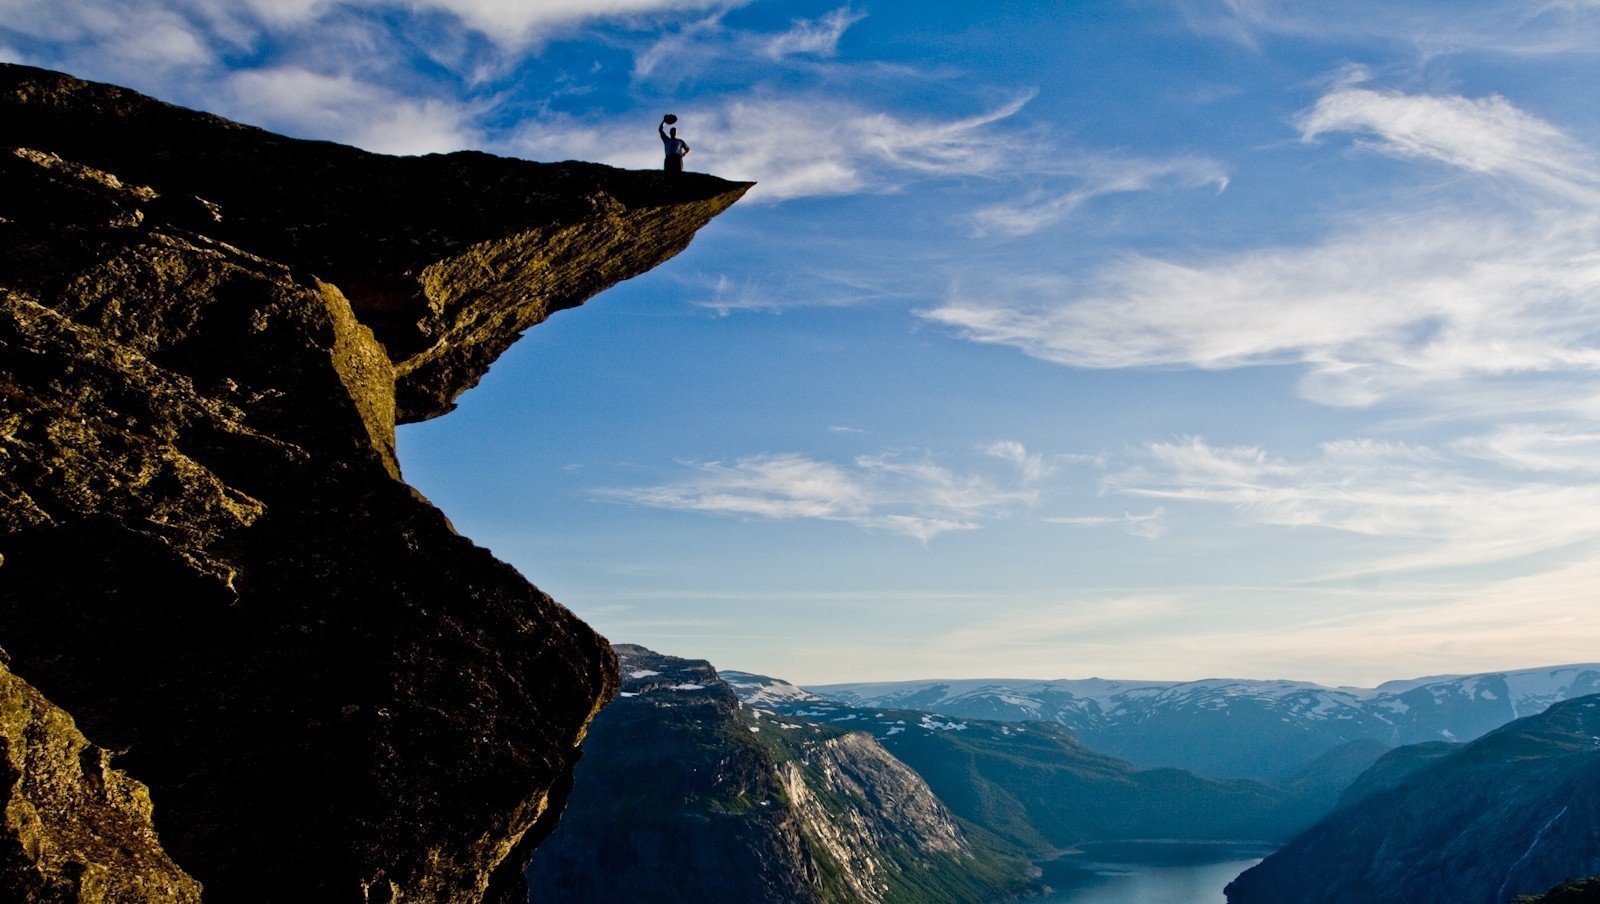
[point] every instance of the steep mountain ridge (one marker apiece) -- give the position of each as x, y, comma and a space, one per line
1241, 728
209, 561
676, 772
1512, 813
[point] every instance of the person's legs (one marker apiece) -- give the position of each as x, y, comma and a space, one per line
673, 164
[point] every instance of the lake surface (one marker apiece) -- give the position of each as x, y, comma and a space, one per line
1147, 873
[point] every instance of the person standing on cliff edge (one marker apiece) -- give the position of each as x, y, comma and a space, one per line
676, 148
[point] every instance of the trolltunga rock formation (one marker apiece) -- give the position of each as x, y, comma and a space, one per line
210, 562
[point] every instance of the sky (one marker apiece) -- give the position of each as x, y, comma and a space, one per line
1156, 339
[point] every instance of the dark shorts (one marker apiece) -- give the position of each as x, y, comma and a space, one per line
673, 164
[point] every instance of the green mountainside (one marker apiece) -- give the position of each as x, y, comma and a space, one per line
1510, 814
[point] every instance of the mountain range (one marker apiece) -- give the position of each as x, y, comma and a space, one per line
1039, 786
755, 789
1238, 728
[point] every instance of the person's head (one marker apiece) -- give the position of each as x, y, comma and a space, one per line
673, 132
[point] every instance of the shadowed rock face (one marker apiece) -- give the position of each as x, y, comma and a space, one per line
72, 828
208, 333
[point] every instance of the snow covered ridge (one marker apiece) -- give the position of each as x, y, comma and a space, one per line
761, 690
1419, 705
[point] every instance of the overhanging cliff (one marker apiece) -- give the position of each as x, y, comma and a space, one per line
208, 333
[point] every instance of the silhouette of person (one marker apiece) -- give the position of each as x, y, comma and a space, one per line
676, 148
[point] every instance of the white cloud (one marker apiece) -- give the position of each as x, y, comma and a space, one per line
1396, 301
912, 496
1405, 302
1480, 135
775, 142
1032, 465
813, 37
1516, 27
343, 108
766, 486
1095, 176
1149, 526
516, 21
133, 36
1537, 447
1376, 489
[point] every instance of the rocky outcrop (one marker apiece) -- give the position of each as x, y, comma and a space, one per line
208, 333
73, 827
1510, 814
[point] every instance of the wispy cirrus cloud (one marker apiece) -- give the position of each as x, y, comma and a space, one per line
1484, 135
1447, 515
765, 139
1537, 447
914, 496
707, 44
1394, 302
1151, 525
1513, 27
812, 37
1095, 175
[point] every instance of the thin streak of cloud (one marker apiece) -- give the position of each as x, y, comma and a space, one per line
813, 37
915, 497
1511, 27
1376, 489
1151, 525
1095, 176
1537, 447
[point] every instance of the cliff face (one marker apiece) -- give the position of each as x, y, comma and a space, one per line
674, 801
869, 817
208, 334
685, 796
1512, 813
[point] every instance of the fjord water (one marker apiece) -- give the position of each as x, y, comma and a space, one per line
1147, 873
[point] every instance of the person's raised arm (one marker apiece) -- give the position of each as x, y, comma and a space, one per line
661, 129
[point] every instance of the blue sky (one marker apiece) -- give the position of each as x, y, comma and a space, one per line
1132, 339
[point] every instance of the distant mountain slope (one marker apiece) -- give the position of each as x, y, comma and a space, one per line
1240, 728
681, 798
1038, 786
1512, 813
1395, 767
